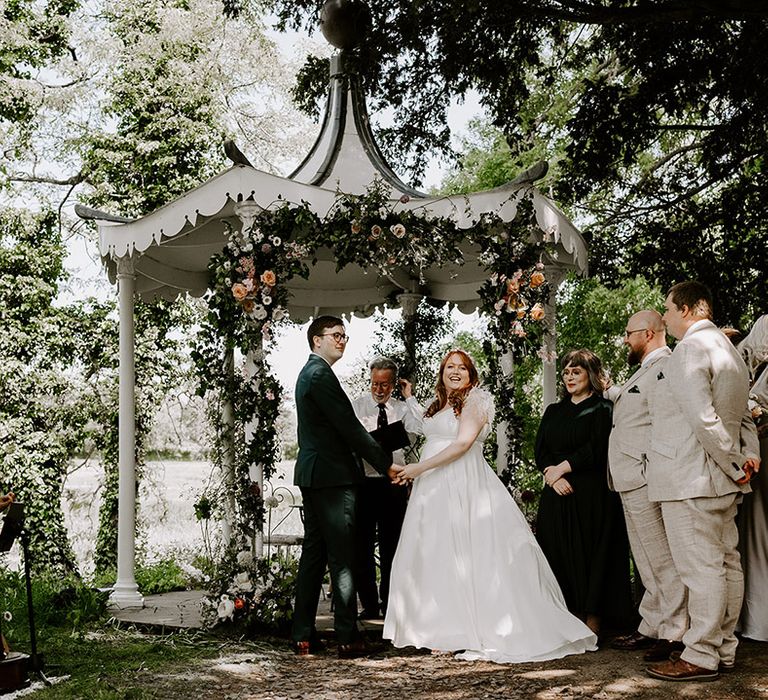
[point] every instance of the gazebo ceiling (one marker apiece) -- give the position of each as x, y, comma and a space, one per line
173, 245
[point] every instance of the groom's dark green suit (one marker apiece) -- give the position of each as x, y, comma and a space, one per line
328, 475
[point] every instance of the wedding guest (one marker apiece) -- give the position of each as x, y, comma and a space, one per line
6, 500
468, 574
753, 514
664, 618
700, 460
380, 503
579, 525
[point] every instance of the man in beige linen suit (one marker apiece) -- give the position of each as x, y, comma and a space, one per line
698, 467
663, 607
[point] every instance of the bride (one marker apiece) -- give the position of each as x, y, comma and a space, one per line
468, 574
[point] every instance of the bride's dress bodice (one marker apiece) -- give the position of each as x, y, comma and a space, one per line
443, 428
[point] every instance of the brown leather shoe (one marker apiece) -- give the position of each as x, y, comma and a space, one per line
633, 642
679, 670
358, 649
663, 649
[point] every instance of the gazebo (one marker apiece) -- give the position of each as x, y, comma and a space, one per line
167, 252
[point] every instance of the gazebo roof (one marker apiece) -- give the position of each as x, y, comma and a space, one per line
176, 241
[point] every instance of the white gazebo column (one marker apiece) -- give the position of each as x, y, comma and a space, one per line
253, 367
125, 593
228, 455
507, 365
555, 277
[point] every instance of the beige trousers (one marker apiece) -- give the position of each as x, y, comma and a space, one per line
702, 538
664, 607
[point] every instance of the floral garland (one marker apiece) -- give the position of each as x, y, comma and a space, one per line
249, 297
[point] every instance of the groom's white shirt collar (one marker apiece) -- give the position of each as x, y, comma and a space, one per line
317, 354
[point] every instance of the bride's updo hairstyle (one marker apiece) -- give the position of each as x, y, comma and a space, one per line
457, 398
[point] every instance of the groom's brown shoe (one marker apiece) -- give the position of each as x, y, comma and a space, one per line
679, 670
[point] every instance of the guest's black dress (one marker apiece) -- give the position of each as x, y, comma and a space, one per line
583, 535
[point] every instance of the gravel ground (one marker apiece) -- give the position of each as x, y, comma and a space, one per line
266, 672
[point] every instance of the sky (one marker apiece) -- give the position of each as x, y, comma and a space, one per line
88, 277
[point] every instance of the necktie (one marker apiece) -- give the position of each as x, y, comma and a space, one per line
382, 421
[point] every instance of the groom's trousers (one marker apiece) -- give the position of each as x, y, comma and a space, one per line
329, 539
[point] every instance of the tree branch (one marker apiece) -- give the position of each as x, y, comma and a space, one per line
40, 179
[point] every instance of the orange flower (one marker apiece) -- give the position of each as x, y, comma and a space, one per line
537, 279
239, 291
513, 287
239, 603
269, 278
537, 312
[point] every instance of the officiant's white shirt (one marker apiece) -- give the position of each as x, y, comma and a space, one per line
408, 411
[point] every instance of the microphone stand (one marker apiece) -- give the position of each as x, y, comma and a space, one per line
36, 664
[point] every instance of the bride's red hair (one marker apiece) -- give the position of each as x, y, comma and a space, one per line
457, 398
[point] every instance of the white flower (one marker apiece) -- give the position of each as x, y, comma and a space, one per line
276, 241
228, 281
226, 608
266, 299
244, 558
248, 247
279, 314
259, 312
242, 582
398, 230
7, 616
275, 568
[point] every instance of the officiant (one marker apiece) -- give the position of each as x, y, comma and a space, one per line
380, 503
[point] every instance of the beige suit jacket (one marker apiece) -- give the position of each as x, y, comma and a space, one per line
700, 437
631, 430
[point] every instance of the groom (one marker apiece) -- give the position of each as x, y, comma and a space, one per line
329, 475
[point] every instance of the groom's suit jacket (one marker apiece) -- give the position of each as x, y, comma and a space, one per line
631, 430
329, 432
700, 433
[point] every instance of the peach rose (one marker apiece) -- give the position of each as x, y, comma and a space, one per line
355, 227
398, 230
269, 278
239, 291
537, 279
513, 286
537, 312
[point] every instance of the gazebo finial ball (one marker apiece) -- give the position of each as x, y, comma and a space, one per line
344, 23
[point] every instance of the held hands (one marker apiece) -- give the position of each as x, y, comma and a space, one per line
397, 475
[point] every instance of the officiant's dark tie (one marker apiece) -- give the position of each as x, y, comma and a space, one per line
382, 421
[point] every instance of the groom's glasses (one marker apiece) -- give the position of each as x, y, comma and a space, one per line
338, 337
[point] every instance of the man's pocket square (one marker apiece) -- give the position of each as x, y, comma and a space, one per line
634, 390
660, 375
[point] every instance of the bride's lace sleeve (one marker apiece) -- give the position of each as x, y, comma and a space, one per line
480, 403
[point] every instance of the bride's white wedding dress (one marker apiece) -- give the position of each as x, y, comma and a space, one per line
468, 574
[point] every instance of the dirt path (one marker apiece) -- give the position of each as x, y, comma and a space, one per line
269, 673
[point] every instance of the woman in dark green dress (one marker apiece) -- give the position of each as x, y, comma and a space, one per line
580, 525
